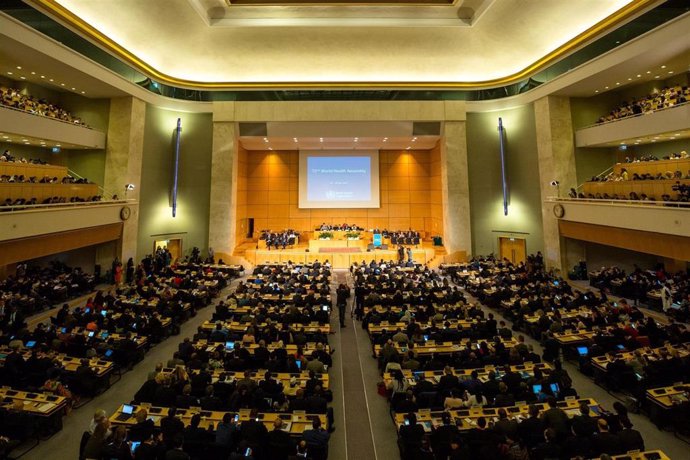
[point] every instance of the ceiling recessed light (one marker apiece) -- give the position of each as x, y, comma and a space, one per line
5, 137
656, 76
57, 145
606, 87
596, 90
19, 67
83, 92
638, 75
43, 76
653, 140
270, 148
629, 79
649, 71
320, 139
62, 84
622, 143
618, 83
670, 72
663, 66
23, 78
72, 89
50, 79
9, 73
265, 139
294, 139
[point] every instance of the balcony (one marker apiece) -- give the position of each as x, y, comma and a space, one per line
609, 134
32, 221
53, 131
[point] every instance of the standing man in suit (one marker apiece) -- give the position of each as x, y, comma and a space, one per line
342, 294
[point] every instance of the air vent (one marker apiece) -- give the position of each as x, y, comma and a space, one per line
426, 128
253, 129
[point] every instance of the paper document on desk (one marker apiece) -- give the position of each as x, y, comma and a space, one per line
46, 407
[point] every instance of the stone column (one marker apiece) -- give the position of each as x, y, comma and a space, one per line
123, 159
556, 152
455, 179
222, 221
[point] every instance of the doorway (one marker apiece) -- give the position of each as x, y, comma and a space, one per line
513, 249
173, 245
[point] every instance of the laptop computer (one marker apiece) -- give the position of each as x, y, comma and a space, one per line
126, 413
582, 351
30, 344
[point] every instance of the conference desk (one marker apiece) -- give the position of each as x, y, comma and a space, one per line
564, 314
652, 355
40, 404
317, 245
438, 308
646, 455
525, 370
294, 423
664, 401
69, 363
291, 348
275, 298
385, 326
289, 389
233, 270
445, 348
466, 419
236, 326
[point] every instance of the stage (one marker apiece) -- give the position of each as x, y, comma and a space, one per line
338, 258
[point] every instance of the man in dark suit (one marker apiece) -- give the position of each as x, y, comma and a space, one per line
556, 419
531, 429
280, 445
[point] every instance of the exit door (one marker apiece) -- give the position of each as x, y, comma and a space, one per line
513, 249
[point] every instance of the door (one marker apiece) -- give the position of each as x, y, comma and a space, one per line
513, 249
173, 245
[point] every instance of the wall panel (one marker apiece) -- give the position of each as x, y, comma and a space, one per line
268, 192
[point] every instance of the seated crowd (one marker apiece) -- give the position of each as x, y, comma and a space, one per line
11, 97
672, 291
77, 353
666, 97
461, 386
244, 384
33, 288
279, 239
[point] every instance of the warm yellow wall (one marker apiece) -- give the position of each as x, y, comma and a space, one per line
267, 190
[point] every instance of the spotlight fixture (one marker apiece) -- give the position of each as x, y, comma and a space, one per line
129, 187
555, 183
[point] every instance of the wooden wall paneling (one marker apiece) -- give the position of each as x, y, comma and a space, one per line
670, 246
19, 250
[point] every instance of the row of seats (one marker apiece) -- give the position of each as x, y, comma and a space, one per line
612, 341
250, 383
666, 97
77, 354
16, 99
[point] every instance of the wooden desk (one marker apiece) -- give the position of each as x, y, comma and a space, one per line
258, 375
466, 419
459, 324
526, 370
307, 349
40, 404
70, 363
236, 326
600, 362
429, 348
295, 423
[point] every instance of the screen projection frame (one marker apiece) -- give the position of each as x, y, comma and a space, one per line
375, 199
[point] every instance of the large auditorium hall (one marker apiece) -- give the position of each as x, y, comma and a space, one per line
345, 230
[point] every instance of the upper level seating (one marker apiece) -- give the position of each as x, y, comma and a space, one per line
667, 97
14, 98
660, 180
24, 182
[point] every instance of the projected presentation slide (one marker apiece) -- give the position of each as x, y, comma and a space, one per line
339, 179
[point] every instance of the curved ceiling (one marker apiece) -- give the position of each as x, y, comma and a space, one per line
219, 44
